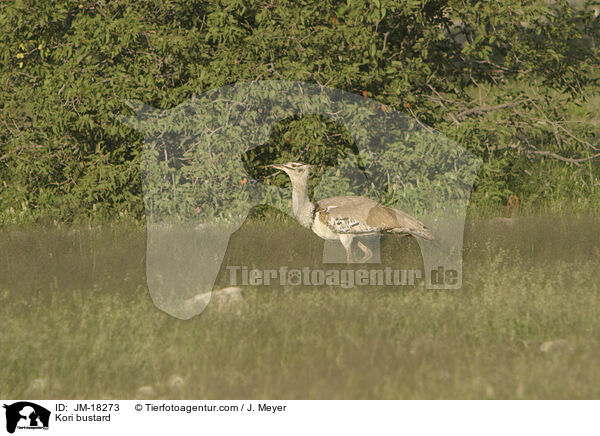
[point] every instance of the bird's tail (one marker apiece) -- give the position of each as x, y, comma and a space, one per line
414, 227
422, 233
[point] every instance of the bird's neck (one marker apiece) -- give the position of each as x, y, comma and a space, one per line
301, 204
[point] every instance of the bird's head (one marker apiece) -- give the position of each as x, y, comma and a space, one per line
296, 170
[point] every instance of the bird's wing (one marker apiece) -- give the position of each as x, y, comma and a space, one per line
359, 215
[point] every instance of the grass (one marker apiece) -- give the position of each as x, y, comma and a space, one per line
78, 322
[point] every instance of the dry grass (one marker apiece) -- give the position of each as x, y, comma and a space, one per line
78, 323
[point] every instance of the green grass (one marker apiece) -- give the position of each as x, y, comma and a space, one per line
78, 322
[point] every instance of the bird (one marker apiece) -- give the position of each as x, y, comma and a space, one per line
345, 218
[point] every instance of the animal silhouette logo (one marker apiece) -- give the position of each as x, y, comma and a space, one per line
26, 415
197, 191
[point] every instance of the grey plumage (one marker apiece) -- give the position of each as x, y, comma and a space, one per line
346, 217
360, 215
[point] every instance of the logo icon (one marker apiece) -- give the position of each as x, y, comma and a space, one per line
26, 415
198, 192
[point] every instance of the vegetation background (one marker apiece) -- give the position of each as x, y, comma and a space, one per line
515, 82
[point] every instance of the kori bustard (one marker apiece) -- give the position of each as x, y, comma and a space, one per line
345, 218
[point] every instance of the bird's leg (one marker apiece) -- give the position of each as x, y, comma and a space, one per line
346, 241
368, 253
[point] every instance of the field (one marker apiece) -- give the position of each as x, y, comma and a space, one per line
78, 322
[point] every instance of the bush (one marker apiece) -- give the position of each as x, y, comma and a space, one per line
516, 82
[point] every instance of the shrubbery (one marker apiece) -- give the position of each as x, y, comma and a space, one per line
515, 82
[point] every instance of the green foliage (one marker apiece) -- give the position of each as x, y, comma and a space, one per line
516, 82
191, 168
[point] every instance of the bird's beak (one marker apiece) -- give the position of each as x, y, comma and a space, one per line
276, 166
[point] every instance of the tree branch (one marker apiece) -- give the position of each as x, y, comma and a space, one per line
575, 161
480, 110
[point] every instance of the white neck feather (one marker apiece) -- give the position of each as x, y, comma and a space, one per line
301, 204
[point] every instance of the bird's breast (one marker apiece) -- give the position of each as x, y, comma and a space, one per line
321, 229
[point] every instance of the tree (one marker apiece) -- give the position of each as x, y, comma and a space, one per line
514, 81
